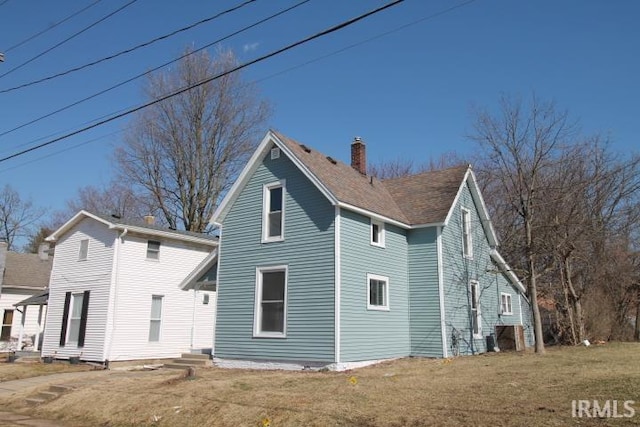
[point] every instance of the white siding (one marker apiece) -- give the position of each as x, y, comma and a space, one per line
137, 280
204, 319
71, 275
11, 296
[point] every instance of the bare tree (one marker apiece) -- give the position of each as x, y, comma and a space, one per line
186, 151
521, 144
17, 217
404, 167
116, 198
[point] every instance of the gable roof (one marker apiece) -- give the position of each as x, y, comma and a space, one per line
191, 281
419, 200
26, 271
134, 226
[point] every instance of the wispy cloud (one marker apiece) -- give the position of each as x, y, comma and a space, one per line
250, 46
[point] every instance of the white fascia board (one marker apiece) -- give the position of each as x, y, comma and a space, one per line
373, 215
73, 221
239, 184
204, 265
470, 179
165, 234
504, 267
319, 185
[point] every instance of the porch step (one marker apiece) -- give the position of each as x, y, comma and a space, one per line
194, 362
45, 396
195, 356
177, 366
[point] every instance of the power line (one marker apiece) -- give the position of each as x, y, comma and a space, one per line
51, 27
255, 24
129, 50
209, 79
68, 38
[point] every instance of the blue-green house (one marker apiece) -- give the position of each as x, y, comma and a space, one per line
320, 264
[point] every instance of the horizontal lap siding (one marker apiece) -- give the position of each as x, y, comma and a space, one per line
458, 271
426, 335
308, 251
370, 334
138, 279
68, 274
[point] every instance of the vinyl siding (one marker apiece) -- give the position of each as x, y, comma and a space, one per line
68, 274
137, 280
372, 334
459, 271
307, 250
425, 325
12, 296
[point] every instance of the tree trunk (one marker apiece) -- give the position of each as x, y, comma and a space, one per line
533, 292
637, 331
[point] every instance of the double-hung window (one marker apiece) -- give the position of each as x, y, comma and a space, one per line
273, 212
270, 316
377, 292
84, 250
505, 303
377, 233
476, 319
153, 250
467, 242
74, 318
156, 318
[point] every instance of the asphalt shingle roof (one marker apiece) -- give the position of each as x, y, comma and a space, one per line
26, 270
423, 198
142, 224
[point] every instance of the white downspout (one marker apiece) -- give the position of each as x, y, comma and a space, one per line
114, 287
193, 315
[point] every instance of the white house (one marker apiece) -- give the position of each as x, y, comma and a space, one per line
22, 276
116, 291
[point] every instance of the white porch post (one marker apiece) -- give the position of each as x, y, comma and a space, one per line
36, 344
22, 322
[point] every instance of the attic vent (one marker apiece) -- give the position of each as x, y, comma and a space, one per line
331, 160
305, 148
275, 153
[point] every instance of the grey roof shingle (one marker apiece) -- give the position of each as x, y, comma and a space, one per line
423, 198
142, 224
26, 270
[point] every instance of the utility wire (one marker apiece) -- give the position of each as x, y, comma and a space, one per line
209, 79
68, 38
129, 50
66, 107
28, 39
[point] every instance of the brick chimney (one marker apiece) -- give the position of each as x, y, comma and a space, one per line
43, 251
149, 219
359, 155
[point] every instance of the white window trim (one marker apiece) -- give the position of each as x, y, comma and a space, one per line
510, 303
74, 296
478, 309
265, 210
158, 251
86, 254
159, 319
468, 238
381, 233
386, 292
257, 309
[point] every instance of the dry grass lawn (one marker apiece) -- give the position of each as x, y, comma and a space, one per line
20, 370
502, 389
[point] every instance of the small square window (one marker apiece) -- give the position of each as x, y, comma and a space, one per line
377, 233
153, 250
377, 292
84, 250
505, 304
205, 299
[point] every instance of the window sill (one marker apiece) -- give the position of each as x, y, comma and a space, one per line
377, 308
270, 335
272, 240
378, 245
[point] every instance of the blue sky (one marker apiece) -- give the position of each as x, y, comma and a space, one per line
407, 94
